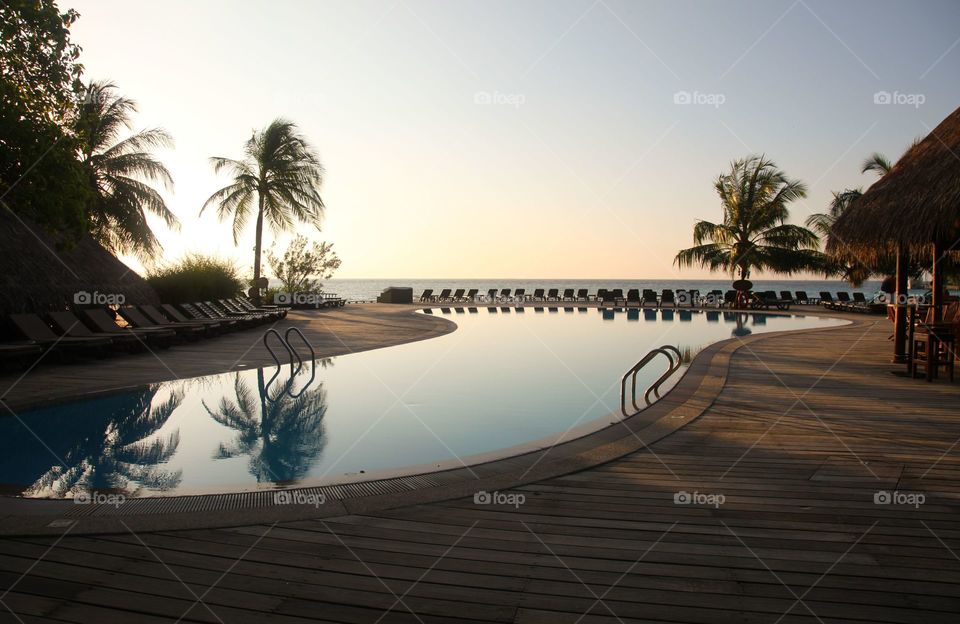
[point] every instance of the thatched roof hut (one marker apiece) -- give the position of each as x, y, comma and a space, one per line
914, 205
38, 272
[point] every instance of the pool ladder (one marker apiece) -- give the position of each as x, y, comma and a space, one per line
666, 350
293, 353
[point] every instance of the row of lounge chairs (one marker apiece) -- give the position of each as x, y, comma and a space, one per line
641, 298
95, 331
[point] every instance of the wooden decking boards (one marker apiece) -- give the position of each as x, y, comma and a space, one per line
808, 430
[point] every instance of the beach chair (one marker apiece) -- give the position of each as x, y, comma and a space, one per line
568, 294
98, 319
553, 294
158, 318
427, 295
176, 315
35, 329
583, 295
138, 320
649, 296
67, 324
633, 298
666, 297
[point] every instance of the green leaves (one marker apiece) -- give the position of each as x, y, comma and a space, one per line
754, 233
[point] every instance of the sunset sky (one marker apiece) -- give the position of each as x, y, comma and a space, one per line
549, 139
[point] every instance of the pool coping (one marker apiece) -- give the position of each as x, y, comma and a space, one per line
684, 403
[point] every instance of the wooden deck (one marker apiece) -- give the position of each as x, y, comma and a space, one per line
807, 431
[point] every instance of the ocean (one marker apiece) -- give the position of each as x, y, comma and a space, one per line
368, 289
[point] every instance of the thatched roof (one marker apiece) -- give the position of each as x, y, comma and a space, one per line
917, 202
37, 273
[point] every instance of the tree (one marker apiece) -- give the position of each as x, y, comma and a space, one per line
281, 173
301, 268
852, 270
40, 175
119, 172
754, 233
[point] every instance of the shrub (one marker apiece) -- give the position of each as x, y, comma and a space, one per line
196, 278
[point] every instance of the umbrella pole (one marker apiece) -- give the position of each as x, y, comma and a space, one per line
937, 283
900, 309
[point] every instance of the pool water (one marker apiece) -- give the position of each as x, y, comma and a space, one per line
505, 377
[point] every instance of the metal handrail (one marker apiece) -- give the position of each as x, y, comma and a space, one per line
664, 350
293, 353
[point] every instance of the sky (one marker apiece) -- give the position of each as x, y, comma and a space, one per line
530, 139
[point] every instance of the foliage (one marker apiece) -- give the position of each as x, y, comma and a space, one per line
196, 278
281, 173
754, 233
119, 172
39, 81
301, 268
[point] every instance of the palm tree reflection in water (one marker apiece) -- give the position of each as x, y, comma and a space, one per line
278, 427
116, 456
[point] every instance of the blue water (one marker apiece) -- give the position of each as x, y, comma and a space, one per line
503, 378
368, 289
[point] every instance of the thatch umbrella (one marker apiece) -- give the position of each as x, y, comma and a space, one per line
41, 271
912, 211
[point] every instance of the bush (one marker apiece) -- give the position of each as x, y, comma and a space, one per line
196, 278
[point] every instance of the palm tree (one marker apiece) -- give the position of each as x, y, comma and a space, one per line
117, 450
853, 271
754, 233
121, 172
282, 173
281, 432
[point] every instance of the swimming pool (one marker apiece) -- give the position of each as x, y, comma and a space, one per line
505, 377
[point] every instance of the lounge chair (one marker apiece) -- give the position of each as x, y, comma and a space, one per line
553, 294
801, 297
826, 299
649, 296
458, 294
176, 315
158, 318
225, 312
471, 294
99, 320
768, 298
785, 294
67, 324
617, 296
37, 331
492, 295
198, 310
694, 298
444, 296
666, 297
241, 305
520, 295
601, 295
843, 298
730, 298
19, 352
714, 297
538, 295
633, 298
583, 295
138, 320
427, 295
568, 294
504, 294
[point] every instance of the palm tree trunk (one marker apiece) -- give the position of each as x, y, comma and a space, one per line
257, 248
